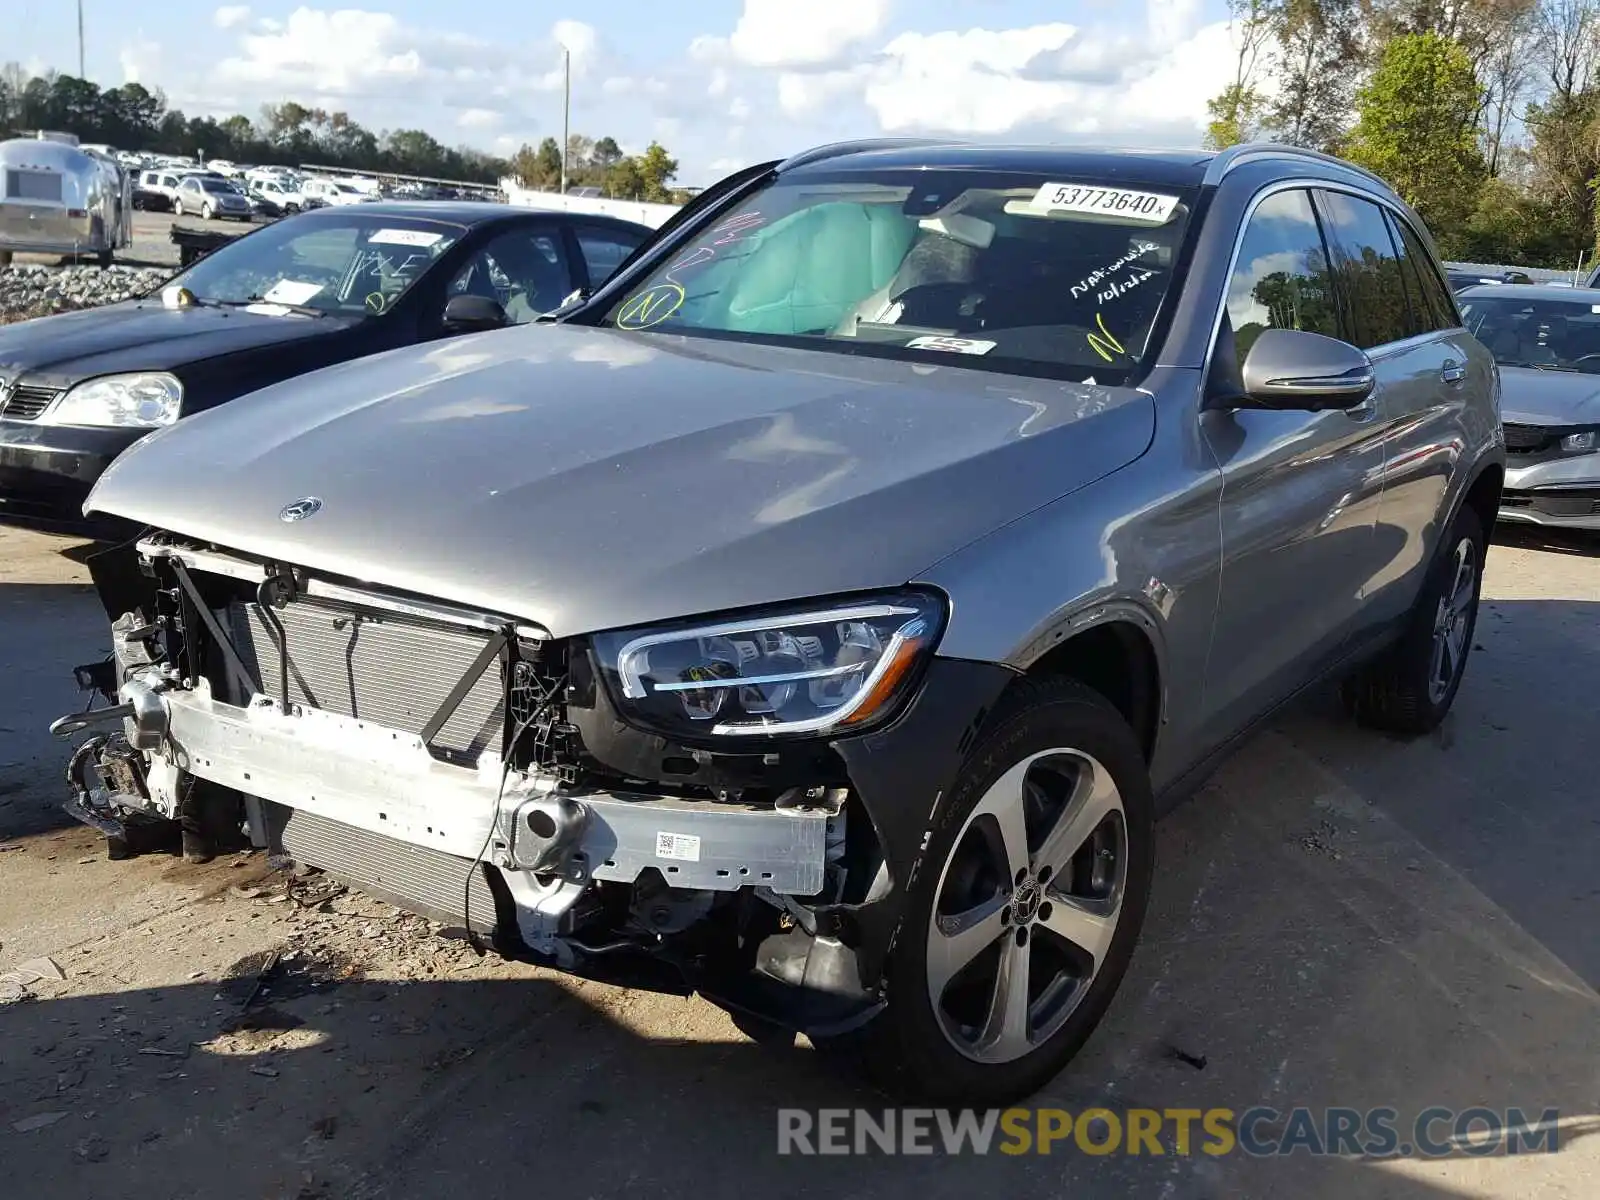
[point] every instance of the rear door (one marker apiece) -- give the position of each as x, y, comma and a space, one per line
1300, 489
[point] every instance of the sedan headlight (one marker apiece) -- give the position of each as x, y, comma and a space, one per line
824, 669
143, 401
1581, 443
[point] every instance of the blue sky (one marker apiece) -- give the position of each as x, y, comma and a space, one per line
719, 82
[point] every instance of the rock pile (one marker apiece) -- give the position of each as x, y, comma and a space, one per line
35, 291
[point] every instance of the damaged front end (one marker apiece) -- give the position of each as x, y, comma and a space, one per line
471, 768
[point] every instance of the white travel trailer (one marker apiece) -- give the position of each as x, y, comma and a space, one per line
56, 198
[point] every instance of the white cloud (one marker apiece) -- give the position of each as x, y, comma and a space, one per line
782, 33
140, 60
478, 118
317, 54
1078, 83
231, 15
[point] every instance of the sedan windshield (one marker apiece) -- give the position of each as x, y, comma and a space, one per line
357, 264
1554, 335
1009, 271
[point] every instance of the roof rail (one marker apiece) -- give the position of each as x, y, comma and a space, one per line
860, 146
1245, 152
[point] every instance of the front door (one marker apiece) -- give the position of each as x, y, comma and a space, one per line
1300, 489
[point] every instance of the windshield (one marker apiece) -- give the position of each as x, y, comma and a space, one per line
354, 264
1555, 335
217, 185
1010, 271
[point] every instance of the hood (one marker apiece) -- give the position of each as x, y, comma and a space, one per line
588, 479
143, 335
1554, 398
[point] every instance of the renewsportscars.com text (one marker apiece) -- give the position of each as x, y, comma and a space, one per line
1259, 1132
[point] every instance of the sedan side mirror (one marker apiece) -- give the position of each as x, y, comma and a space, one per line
1292, 369
472, 314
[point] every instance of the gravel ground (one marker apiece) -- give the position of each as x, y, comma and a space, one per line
37, 285
1339, 919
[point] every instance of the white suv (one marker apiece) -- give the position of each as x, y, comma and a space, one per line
330, 191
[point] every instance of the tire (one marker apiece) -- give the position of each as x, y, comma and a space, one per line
177, 208
206, 212
1064, 767
1411, 687
104, 258
5, 258
290, 209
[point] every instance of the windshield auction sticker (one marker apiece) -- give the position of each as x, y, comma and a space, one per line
955, 345
404, 237
291, 291
1150, 208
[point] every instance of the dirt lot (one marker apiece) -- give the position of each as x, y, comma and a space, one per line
1339, 920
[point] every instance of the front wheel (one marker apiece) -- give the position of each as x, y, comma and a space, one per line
1410, 689
1022, 920
177, 208
206, 212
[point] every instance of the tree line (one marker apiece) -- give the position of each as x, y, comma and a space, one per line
1483, 114
135, 118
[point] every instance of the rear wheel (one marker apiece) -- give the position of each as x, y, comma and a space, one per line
1410, 689
1021, 923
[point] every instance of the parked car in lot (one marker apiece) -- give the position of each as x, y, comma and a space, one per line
211, 196
282, 191
1547, 342
817, 615
325, 287
335, 193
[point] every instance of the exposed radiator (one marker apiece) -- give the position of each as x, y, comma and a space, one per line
416, 878
389, 670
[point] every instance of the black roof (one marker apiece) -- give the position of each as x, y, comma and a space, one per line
1175, 168
456, 212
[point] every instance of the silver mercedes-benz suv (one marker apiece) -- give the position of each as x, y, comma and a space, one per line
818, 615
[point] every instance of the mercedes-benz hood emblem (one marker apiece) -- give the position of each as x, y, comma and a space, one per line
307, 506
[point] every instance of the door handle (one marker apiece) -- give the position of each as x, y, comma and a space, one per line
1452, 372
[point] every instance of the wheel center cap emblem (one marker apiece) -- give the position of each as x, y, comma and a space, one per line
301, 509
1024, 902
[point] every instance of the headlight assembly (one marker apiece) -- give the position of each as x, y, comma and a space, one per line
823, 669
146, 400
1581, 443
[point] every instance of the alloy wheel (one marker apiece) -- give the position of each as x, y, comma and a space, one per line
1452, 621
1027, 905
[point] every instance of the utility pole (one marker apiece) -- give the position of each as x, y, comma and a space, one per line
566, 113
81, 75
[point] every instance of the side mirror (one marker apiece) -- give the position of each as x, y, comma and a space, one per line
1291, 369
472, 314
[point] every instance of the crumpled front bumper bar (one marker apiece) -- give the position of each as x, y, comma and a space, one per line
383, 781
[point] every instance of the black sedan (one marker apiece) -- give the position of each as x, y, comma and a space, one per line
306, 292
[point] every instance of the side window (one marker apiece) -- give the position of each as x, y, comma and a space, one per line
1435, 297
1367, 270
524, 270
1281, 279
604, 250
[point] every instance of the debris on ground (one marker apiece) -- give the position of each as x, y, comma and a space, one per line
38, 1121
16, 984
